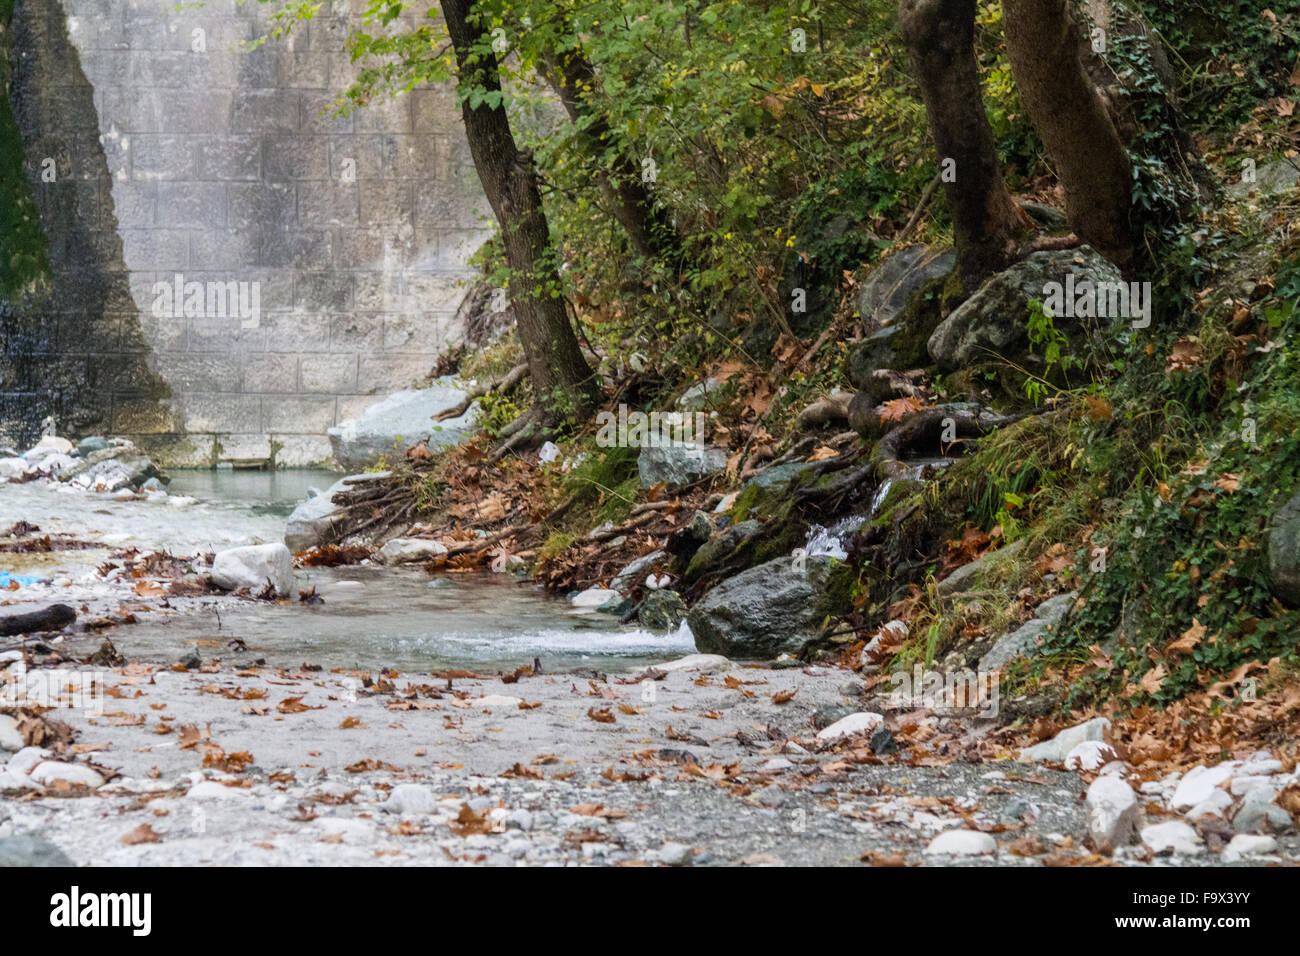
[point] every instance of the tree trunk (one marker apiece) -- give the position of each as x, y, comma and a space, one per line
1044, 41
572, 77
562, 381
940, 40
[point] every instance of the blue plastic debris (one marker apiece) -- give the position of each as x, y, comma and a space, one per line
25, 580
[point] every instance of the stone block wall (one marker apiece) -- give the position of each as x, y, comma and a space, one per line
217, 164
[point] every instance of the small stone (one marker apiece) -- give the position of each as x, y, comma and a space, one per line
410, 798
253, 566
862, 722
1089, 755
1174, 836
1113, 813
1258, 812
594, 598
1059, 747
823, 717
10, 738
883, 743
775, 765
1244, 844
190, 660
76, 774
410, 550
675, 854
1199, 782
962, 843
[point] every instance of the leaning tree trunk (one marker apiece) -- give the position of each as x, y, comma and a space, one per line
940, 40
572, 77
1044, 42
562, 380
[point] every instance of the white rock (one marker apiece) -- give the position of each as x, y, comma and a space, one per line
775, 765
1199, 782
10, 738
27, 758
1056, 749
693, 662
1089, 755
211, 790
411, 798
674, 854
1214, 805
11, 468
1113, 812
962, 843
407, 550
1242, 785
50, 444
594, 597
1245, 844
251, 567
77, 774
1261, 765
863, 722
1174, 835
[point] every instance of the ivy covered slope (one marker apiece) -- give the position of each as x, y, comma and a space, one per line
831, 229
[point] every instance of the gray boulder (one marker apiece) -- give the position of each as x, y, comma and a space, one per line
252, 566
766, 611
312, 523
662, 610
678, 463
994, 319
1284, 553
410, 550
884, 293
1024, 639
1271, 179
403, 418
91, 444
111, 468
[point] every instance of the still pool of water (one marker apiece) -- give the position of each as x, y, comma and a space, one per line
371, 617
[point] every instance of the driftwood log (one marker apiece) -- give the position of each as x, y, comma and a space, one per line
53, 618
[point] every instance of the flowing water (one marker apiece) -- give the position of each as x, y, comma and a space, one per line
371, 617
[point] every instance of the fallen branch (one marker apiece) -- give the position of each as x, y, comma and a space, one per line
502, 384
53, 618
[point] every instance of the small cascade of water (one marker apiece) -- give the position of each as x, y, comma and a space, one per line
832, 541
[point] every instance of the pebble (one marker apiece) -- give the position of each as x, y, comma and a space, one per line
76, 774
674, 854
10, 738
1175, 836
962, 843
1199, 782
1059, 747
1244, 844
863, 722
1089, 755
411, 798
1113, 812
